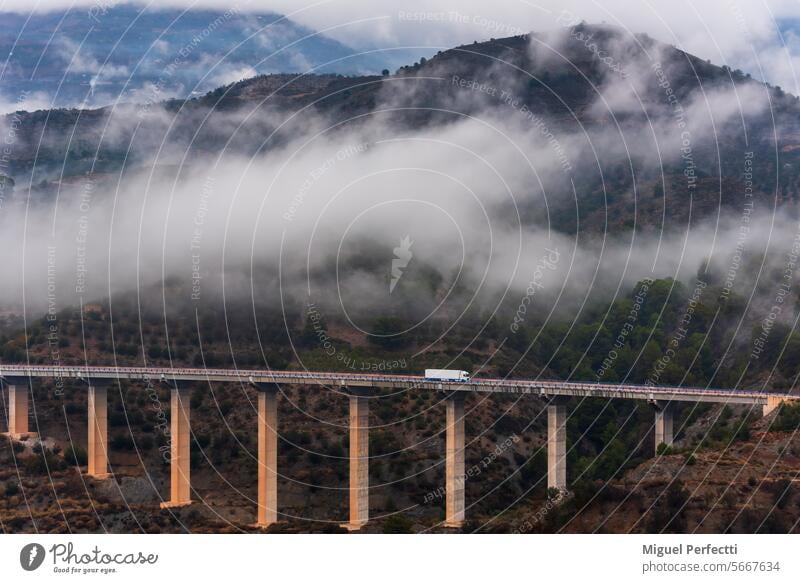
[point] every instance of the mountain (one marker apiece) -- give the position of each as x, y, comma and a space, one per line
637, 126
95, 55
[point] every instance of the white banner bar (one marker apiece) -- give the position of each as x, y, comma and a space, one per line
399, 558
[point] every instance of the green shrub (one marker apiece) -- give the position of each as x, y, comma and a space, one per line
788, 418
76, 455
43, 463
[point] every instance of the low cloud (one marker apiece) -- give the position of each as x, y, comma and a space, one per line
315, 215
78, 60
27, 101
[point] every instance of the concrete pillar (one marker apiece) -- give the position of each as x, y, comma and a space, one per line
18, 410
772, 404
454, 462
557, 444
359, 462
180, 434
98, 431
267, 456
663, 424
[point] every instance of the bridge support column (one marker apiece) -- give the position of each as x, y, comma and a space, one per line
18, 410
98, 430
663, 428
180, 434
267, 455
359, 461
772, 404
454, 466
557, 444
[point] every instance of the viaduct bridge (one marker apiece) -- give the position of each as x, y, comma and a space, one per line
19, 379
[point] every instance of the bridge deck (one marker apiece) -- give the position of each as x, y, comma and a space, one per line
545, 388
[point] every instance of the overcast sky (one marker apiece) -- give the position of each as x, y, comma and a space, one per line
747, 34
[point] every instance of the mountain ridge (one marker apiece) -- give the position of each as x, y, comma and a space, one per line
564, 80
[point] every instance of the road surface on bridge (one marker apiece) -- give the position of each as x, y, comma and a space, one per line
543, 388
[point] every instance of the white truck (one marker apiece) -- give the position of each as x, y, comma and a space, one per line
443, 374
